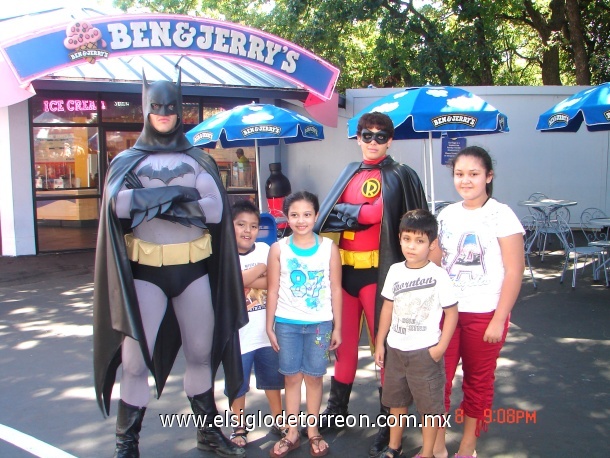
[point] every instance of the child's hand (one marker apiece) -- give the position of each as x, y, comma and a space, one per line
273, 340
379, 355
436, 353
335, 340
494, 332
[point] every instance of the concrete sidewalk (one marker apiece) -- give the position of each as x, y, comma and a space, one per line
554, 366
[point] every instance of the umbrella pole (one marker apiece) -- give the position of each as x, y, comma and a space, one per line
423, 160
431, 174
258, 176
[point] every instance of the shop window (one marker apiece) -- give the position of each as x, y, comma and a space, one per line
64, 109
124, 108
128, 109
68, 222
119, 140
65, 158
190, 112
237, 165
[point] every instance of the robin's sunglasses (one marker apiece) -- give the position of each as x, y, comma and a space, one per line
380, 137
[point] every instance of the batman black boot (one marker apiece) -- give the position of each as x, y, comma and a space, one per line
338, 399
209, 436
382, 439
128, 425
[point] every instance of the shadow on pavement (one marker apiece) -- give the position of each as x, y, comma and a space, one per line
552, 381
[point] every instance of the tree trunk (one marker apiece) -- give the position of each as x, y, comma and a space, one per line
550, 67
486, 74
577, 40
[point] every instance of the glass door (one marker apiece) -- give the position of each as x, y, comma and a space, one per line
66, 163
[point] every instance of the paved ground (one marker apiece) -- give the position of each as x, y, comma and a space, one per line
556, 363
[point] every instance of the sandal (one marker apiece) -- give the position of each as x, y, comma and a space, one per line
241, 433
285, 443
315, 440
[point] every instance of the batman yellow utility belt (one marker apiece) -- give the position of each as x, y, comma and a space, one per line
157, 255
360, 259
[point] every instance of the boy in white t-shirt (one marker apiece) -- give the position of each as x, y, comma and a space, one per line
417, 293
256, 351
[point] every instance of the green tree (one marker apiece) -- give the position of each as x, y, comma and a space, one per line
391, 43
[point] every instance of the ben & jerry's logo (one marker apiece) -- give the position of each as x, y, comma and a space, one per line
202, 136
607, 115
251, 130
83, 39
468, 120
558, 117
311, 130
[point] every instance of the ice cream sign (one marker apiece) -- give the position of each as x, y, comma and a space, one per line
40, 52
82, 39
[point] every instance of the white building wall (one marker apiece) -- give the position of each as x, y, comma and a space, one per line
16, 201
562, 165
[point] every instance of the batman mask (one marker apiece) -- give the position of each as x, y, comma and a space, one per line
162, 98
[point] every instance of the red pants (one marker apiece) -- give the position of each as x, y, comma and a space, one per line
347, 353
478, 364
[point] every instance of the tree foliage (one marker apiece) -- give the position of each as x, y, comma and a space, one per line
393, 43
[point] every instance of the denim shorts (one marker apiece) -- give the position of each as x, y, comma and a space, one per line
265, 362
304, 347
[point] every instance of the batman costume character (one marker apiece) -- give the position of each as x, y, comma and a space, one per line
167, 275
365, 206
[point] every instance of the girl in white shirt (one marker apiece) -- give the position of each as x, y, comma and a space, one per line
482, 250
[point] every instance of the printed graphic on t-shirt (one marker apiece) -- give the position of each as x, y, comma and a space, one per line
413, 302
256, 299
468, 263
466, 267
305, 283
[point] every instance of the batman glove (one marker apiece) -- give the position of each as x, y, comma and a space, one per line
344, 217
185, 213
150, 202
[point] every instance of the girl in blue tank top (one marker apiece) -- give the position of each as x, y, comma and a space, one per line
303, 316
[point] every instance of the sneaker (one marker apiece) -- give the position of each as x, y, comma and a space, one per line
388, 452
277, 431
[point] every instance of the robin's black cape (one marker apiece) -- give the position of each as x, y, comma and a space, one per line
115, 306
401, 190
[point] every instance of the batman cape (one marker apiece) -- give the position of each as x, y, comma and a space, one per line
115, 305
401, 191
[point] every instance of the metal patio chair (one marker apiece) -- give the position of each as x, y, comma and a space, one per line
531, 225
597, 254
535, 197
440, 205
593, 233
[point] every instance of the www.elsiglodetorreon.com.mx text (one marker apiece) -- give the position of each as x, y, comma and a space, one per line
256, 420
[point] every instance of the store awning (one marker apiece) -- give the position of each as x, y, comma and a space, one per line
86, 44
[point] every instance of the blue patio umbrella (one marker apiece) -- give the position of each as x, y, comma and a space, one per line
590, 105
434, 111
255, 125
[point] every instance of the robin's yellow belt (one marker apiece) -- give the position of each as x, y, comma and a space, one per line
360, 259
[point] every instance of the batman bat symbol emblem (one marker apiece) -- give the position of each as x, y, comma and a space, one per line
165, 174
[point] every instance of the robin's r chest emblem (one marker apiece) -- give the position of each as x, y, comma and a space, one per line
371, 188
